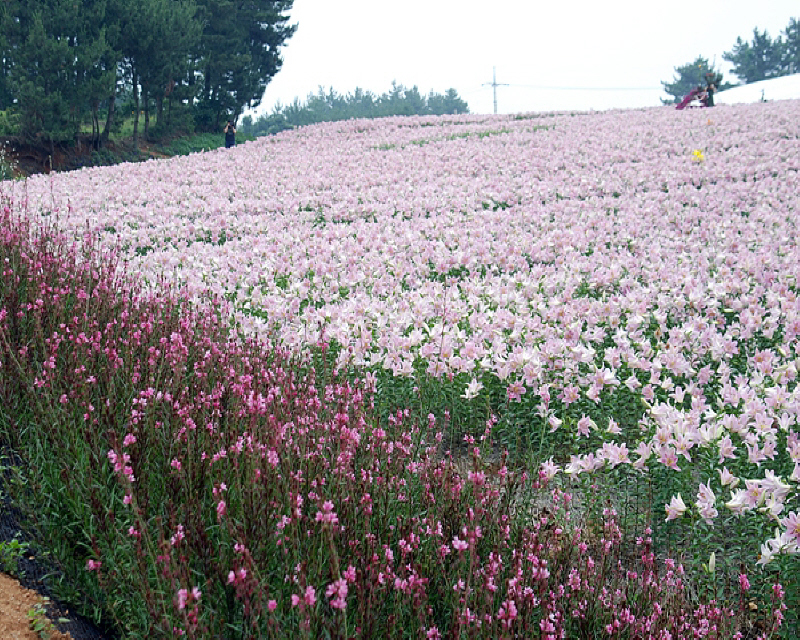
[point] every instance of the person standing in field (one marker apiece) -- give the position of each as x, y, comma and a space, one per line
230, 135
711, 89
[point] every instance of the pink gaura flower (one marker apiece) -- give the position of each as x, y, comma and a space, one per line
93, 565
744, 583
337, 594
327, 515
460, 545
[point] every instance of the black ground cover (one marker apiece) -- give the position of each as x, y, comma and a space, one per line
34, 570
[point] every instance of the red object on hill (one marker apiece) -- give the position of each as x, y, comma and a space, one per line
688, 98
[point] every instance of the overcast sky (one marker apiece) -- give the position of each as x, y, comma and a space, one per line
579, 54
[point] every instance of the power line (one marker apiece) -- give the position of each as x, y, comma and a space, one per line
494, 86
552, 88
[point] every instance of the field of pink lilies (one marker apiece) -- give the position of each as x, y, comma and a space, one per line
458, 377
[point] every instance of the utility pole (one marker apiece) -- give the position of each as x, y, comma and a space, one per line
494, 86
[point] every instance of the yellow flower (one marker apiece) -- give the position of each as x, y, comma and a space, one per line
697, 155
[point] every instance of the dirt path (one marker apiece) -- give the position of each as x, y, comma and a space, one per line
15, 603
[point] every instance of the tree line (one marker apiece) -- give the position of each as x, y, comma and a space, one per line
331, 106
180, 65
761, 58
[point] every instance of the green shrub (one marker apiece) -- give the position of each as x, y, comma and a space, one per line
8, 166
9, 125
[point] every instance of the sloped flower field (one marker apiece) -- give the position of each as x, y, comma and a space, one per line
609, 291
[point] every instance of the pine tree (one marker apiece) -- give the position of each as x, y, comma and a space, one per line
63, 61
690, 76
239, 53
449, 103
56, 72
760, 59
791, 47
6, 97
156, 40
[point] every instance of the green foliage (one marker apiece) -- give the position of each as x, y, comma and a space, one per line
791, 46
7, 164
188, 63
447, 103
56, 54
176, 120
155, 39
759, 59
240, 52
266, 125
763, 58
39, 622
331, 106
6, 97
10, 553
104, 157
8, 123
197, 142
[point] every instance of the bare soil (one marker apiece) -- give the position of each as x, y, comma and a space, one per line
29, 159
15, 603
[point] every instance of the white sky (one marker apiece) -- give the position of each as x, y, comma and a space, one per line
581, 46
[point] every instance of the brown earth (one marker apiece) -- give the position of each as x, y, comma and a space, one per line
29, 159
15, 603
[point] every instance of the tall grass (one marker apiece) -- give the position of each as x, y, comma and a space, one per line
199, 142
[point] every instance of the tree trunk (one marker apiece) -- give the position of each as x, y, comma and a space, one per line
146, 101
136, 112
95, 125
109, 119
